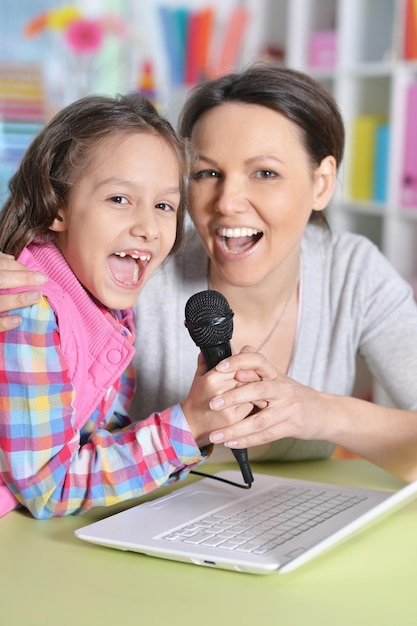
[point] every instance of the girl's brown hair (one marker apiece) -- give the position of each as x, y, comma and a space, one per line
61, 152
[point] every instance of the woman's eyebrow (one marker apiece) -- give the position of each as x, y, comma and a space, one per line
263, 157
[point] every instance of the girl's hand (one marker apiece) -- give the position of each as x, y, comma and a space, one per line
196, 408
285, 408
15, 275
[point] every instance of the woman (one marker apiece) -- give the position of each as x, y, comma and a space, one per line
268, 143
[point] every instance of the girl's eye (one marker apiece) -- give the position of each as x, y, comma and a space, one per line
164, 206
119, 199
266, 174
205, 174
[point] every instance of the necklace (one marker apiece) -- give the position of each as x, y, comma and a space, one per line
281, 315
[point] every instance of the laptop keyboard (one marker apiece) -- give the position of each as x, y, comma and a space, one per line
269, 520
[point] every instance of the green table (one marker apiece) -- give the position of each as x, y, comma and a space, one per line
49, 577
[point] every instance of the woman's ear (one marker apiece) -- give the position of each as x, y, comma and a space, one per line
59, 225
325, 178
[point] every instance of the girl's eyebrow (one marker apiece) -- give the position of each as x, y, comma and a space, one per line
115, 181
128, 183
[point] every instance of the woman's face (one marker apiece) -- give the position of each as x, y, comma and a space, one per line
253, 189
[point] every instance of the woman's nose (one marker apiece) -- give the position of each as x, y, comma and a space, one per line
231, 198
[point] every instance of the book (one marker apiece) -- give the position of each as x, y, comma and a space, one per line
409, 166
410, 30
174, 29
363, 156
198, 45
231, 43
380, 175
192, 69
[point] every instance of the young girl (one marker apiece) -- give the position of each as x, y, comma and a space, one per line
96, 205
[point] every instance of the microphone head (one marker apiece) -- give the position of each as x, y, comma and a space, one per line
209, 318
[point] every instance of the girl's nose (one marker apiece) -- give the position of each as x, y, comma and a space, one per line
145, 225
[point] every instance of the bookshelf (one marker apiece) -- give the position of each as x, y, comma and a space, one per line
371, 79
40, 71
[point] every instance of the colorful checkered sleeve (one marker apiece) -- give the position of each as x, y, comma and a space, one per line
43, 458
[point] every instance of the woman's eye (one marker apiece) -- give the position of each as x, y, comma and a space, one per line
205, 174
266, 174
119, 199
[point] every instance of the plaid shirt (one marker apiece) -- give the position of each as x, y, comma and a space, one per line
54, 469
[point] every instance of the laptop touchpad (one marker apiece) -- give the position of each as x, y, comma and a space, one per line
198, 502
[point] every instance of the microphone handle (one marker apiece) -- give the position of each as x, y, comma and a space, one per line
213, 355
241, 456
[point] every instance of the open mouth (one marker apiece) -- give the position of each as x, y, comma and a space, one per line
127, 267
238, 240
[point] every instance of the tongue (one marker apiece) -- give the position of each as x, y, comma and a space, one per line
238, 244
124, 269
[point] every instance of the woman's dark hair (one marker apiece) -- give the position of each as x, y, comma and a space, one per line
62, 151
289, 92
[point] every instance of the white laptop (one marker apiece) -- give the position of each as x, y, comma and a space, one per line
275, 526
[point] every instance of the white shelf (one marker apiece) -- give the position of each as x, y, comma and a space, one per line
369, 77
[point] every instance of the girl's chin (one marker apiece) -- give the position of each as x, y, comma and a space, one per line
116, 298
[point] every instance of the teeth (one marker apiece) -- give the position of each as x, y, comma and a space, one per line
142, 257
135, 274
238, 232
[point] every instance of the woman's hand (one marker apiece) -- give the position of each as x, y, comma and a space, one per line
15, 275
285, 408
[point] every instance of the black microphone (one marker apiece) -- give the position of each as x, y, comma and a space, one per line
209, 320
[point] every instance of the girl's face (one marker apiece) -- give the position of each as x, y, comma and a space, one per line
120, 222
253, 190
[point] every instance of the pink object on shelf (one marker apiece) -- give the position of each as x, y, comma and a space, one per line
409, 168
322, 50
232, 41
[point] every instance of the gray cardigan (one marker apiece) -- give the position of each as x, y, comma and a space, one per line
352, 302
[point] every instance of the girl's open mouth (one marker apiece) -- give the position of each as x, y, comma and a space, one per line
127, 266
